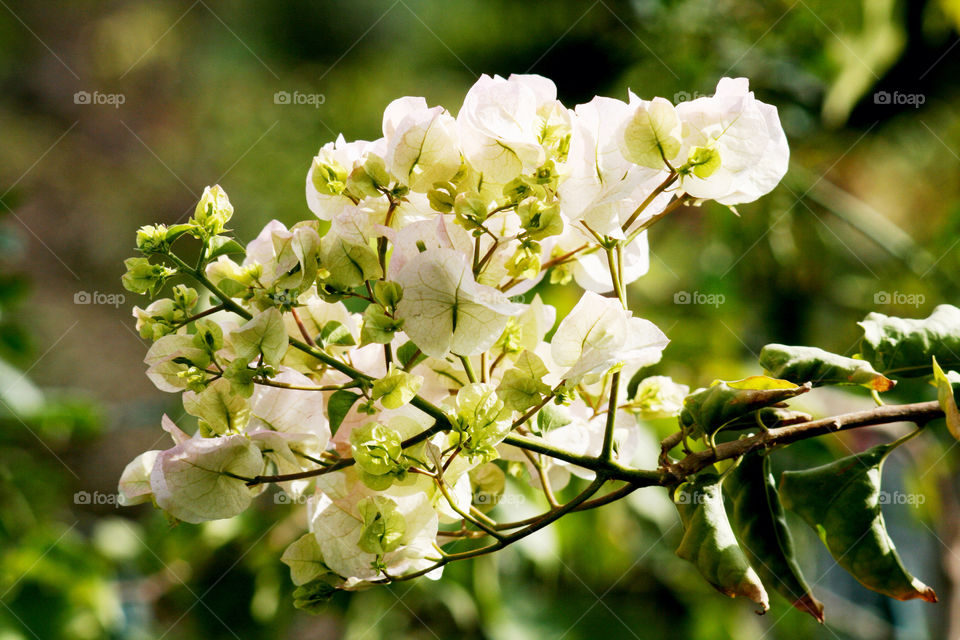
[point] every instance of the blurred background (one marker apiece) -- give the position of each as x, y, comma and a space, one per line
117, 114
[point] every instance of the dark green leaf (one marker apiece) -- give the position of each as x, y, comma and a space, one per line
904, 347
409, 355
338, 406
706, 411
841, 501
758, 520
709, 543
221, 246
819, 367
334, 334
314, 596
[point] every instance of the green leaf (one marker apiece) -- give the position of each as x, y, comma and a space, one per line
709, 543
819, 367
378, 327
903, 347
263, 334
177, 230
388, 294
552, 417
948, 388
314, 596
522, 386
841, 502
221, 246
338, 406
334, 334
708, 410
758, 519
409, 355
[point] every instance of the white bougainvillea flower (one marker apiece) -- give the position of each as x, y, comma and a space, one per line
746, 135
328, 175
445, 310
335, 518
279, 251
500, 127
604, 188
165, 361
201, 479
600, 333
422, 143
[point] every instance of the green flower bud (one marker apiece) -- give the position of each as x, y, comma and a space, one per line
539, 219
397, 388
143, 277
214, 210
152, 238
361, 184
470, 209
442, 196
209, 335
329, 177
702, 162
383, 525
377, 448
525, 262
521, 188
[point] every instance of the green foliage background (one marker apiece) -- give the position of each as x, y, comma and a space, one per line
870, 207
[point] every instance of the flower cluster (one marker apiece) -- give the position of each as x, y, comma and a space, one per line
387, 361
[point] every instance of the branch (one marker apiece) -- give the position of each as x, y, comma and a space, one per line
918, 412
